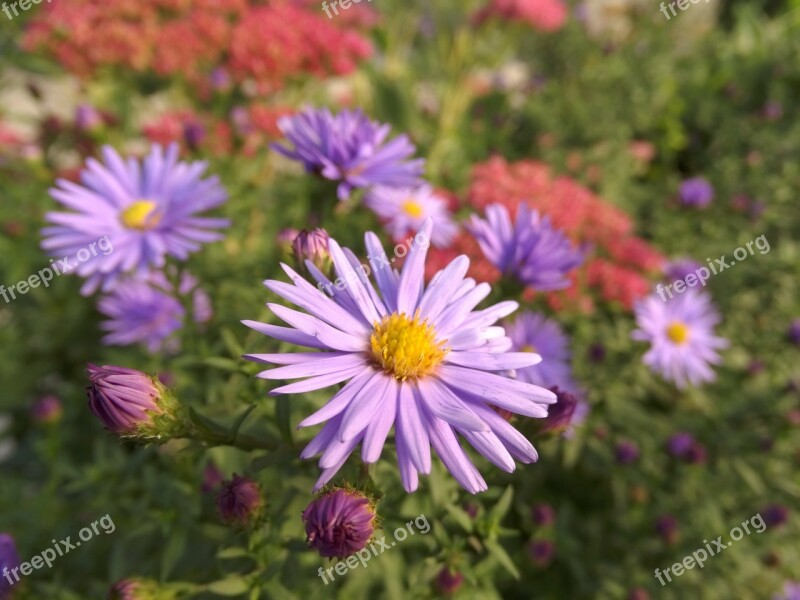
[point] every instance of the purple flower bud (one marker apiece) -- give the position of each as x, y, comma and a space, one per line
87, 117
667, 528
638, 594
212, 477
448, 582
124, 400
697, 454
541, 552
626, 452
560, 414
137, 588
772, 111
679, 444
124, 590
680, 268
696, 192
239, 501
312, 245
471, 509
9, 559
543, 515
775, 515
597, 353
47, 410
193, 134
339, 522
793, 333
220, 79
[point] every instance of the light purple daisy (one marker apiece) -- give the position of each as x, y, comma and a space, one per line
349, 148
529, 249
533, 332
149, 311
146, 209
405, 210
681, 336
696, 191
419, 358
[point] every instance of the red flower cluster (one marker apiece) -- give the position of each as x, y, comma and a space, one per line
622, 261
267, 44
544, 15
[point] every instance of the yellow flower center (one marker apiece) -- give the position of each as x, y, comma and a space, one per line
405, 346
528, 348
412, 208
678, 332
141, 215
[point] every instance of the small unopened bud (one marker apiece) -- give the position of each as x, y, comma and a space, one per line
239, 502
541, 552
312, 245
140, 589
448, 582
339, 522
47, 410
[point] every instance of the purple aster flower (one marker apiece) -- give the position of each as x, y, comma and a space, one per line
405, 210
530, 249
194, 132
681, 336
541, 552
680, 268
144, 210
679, 444
339, 523
448, 582
533, 332
148, 311
124, 400
9, 559
87, 117
791, 591
239, 501
349, 148
793, 333
47, 409
775, 515
697, 192
626, 452
419, 358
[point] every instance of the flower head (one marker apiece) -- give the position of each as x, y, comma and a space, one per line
696, 191
681, 336
137, 588
533, 332
528, 249
144, 211
626, 452
148, 311
419, 358
793, 333
405, 210
9, 559
541, 552
239, 501
791, 591
349, 148
312, 245
448, 582
132, 404
339, 523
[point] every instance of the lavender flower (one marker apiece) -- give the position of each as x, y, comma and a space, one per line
146, 210
339, 523
9, 559
416, 357
405, 210
680, 268
530, 249
681, 336
349, 148
239, 501
679, 444
533, 332
87, 117
791, 591
696, 192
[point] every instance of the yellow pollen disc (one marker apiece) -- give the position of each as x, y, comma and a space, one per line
140, 215
412, 208
528, 348
405, 346
678, 332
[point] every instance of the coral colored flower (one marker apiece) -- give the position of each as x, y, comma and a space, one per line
544, 15
349, 148
533, 332
419, 358
145, 210
529, 249
405, 210
339, 523
681, 336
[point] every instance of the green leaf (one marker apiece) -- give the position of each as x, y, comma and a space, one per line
460, 517
172, 553
283, 417
230, 586
500, 509
498, 552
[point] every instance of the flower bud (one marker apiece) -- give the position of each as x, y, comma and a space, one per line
667, 528
448, 582
312, 245
239, 502
132, 404
626, 452
339, 522
543, 515
140, 589
541, 552
9, 559
47, 410
560, 414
